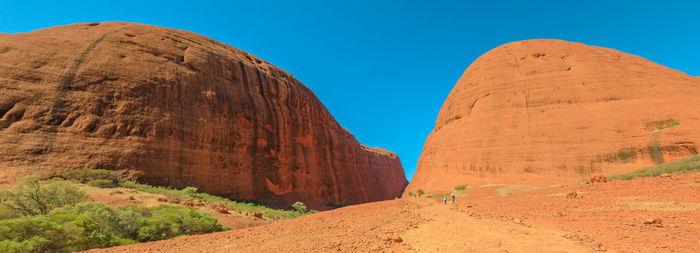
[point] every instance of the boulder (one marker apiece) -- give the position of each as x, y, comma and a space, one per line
550, 111
173, 108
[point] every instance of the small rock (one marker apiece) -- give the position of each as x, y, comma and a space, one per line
598, 179
130, 198
220, 207
650, 221
396, 238
517, 221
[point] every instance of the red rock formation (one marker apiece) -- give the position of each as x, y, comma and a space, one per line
175, 108
550, 111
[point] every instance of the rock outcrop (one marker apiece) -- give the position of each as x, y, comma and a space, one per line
174, 108
550, 111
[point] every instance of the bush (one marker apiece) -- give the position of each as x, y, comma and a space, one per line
421, 192
680, 166
300, 207
170, 193
192, 192
411, 194
102, 183
33, 198
95, 225
461, 188
86, 175
189, 190
7, 212
165, 222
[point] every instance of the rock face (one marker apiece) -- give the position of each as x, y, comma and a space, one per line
550, 111
174, 108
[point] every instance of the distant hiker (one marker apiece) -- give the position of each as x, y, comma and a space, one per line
453, 198
444, 199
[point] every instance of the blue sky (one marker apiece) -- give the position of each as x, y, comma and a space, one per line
384, 68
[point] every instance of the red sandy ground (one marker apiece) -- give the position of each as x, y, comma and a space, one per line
602, 217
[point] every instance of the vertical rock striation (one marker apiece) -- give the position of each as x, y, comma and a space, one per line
174, 108
550, 111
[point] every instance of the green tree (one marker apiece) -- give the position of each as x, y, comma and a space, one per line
420, 192
32, 197
300, 207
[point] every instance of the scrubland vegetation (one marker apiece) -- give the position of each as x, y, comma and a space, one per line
56, 216
680, 166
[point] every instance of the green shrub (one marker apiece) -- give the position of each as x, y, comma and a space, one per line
33, 198
86, 175
411, 194
165, 222
300, 207
7, 212
461, 188
189, 190
95, 225
684, 165
102, 183
667, 124
421, 192
29, 234
192, 192
171, 193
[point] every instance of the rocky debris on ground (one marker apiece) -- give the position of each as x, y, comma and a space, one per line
598, 179
220, 207
653, 221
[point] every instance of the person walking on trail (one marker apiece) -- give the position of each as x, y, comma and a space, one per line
453, 198
444, 199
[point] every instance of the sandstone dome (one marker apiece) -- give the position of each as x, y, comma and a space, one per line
551, 111
174, 108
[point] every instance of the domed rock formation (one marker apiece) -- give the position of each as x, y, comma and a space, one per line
174, 108
550, 111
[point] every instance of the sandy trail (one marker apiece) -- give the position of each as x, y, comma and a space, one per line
609, 217
406, 225
452, 230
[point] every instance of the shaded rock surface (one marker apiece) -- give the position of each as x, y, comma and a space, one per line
174, 108
550, 111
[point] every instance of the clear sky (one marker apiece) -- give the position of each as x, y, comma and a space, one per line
384, 68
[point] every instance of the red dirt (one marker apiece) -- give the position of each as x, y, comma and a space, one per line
612, 214
607, 216
174, 108
555, 111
